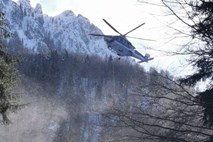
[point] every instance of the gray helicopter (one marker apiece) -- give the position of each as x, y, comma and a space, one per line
122, 46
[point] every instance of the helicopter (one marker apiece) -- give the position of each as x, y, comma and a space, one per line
122, 46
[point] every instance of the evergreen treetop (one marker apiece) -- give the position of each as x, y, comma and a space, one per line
8, 74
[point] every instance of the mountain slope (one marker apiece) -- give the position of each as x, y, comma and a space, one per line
40, 32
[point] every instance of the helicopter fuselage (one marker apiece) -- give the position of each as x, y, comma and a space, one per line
123, 47
120, 45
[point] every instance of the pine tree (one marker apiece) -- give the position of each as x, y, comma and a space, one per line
203, 56
8, 75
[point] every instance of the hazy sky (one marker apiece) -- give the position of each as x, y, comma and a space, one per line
124, 15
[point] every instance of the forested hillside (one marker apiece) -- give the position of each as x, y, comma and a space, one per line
67, 93
76, 97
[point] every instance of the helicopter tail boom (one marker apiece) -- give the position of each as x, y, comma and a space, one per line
146, 60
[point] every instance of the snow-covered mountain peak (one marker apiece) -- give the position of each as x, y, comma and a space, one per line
81, 17
25, 3
38, 9
67, 13
40, 32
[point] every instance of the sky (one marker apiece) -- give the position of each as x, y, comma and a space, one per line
125, 15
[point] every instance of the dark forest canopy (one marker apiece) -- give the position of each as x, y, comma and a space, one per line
49, 67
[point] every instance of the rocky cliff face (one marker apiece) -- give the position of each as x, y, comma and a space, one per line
40, 32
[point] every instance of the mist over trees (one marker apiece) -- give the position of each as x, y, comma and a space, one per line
67, 92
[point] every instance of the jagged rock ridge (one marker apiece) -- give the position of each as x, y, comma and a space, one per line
40, 32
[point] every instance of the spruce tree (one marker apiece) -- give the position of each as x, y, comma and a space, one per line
202, 58
8, 74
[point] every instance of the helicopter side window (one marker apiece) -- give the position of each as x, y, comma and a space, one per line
129, 44
123, 41
117, 39
120, 40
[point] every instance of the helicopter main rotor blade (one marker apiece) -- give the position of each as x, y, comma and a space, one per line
112, 27
96, 35
99, 35
140, 38
134, 29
